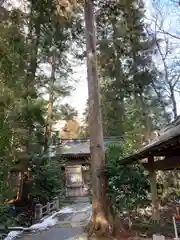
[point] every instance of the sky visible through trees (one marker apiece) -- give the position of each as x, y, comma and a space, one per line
132, 58
166, 13
170, 17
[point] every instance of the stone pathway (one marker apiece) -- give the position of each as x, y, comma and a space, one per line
69, 225
54, 233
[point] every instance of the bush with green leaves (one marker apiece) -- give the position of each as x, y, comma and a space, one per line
48, 179
5, 164
128, 186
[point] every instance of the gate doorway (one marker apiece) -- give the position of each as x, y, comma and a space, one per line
74, 181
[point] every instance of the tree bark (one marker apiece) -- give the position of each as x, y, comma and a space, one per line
30, 90
33, 38
99, 222
51, 99
48, 130
173, 99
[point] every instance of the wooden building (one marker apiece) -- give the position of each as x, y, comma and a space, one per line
76, 156
163, 153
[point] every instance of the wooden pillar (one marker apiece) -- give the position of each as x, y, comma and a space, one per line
155, 201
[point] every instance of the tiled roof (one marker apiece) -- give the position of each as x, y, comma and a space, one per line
172, 130
82, 146
168, 135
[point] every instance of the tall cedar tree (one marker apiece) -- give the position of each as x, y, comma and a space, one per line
127, 71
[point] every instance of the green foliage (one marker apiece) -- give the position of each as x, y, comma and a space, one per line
48, 179
5, 136
128, 186
5, 164
130, 104
26, 43
66, 112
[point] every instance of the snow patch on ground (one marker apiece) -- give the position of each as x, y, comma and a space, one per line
12, 235
66, 210
50, 221
46, 223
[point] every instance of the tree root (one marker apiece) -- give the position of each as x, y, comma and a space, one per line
99, 226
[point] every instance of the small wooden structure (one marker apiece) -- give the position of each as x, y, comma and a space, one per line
163, 153
76, 155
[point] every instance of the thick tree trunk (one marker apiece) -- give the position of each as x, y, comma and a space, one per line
99, 221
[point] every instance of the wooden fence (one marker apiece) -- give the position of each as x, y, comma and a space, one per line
41, 211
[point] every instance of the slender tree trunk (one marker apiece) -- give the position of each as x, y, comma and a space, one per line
99, 221
173, 99
48, 130
34, 38
160, 101
168, 78
118, 76
146, 118
51, 98
30, 91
